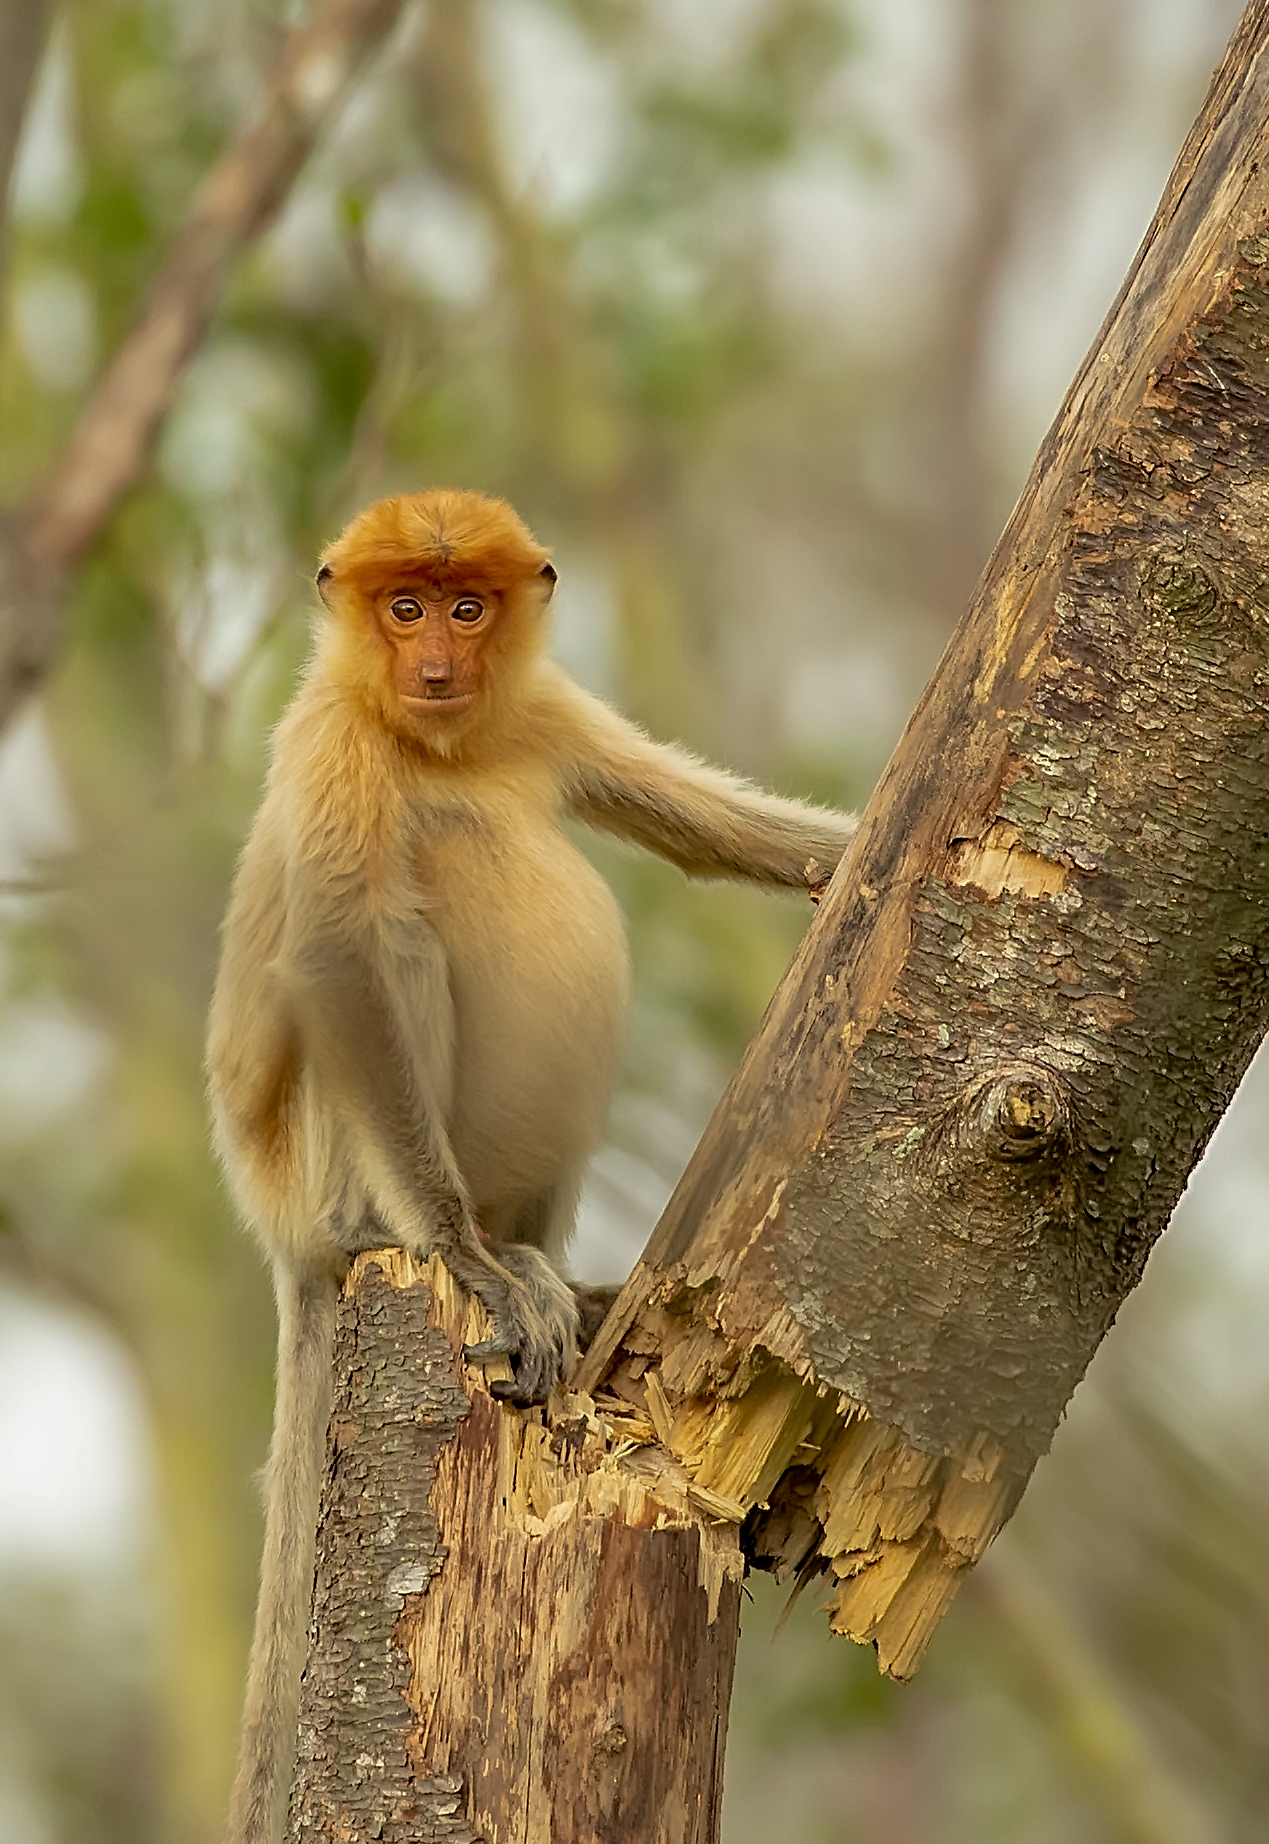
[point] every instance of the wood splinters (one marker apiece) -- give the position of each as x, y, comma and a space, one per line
659, 1408
624, 1448
866, 1594
873, 1483
901, 1514
724, 1510
982, 1461
894, 1595
747, 1447
970, 1512
908, 1625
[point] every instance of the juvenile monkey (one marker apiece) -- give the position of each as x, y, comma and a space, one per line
418, 1017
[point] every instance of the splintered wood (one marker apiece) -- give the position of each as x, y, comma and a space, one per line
819, 1485
524, 1623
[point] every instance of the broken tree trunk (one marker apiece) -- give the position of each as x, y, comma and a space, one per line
521, 1630
1035, 982
969, 1111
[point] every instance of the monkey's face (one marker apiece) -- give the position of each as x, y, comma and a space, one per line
437, 602
438, 642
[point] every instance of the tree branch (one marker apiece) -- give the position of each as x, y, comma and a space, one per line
584, 443
1096, 1729
115, 435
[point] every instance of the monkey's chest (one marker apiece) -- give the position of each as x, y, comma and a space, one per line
539, 984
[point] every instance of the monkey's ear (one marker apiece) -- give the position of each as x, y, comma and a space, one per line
550, 576
321, 579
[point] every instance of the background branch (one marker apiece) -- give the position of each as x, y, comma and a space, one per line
24, 28
115, 434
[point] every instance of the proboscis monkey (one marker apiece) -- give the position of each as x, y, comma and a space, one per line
418, 1019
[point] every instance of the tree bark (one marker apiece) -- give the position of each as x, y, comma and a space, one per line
522, 1628
1034, 985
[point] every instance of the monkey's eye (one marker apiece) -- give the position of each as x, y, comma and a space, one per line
469, 609
405, 608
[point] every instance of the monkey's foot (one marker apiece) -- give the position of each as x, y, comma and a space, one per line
535, 1320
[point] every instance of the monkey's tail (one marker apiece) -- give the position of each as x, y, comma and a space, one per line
297, 1455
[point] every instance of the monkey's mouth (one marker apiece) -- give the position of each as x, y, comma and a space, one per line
435, 702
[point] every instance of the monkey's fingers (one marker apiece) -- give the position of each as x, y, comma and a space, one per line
536, 1372
537, 1363
817, 880
502, 1344
537, 1354
522, 1393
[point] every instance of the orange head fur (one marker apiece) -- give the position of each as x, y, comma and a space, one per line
437, 603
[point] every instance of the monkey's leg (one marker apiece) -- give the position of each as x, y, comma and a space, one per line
529, 1237
546, 1222
388, 1095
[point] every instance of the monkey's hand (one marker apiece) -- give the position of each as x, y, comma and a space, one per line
534, 1313
817, 880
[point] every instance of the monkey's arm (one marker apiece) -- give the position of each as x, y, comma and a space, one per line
709, 823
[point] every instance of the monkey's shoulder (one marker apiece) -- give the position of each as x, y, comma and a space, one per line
328, 750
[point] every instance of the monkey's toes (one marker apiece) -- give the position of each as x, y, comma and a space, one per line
537, 1368
535, 1325
533, 1382
536, 1353
502, 1344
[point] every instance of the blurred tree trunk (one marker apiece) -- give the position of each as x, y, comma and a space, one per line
597, 459
1105, 1745
1034, 985
24, 26
996, 152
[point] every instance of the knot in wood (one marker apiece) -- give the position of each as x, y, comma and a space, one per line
608, 1765
1175, 583
1019, 1113
611, 1741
